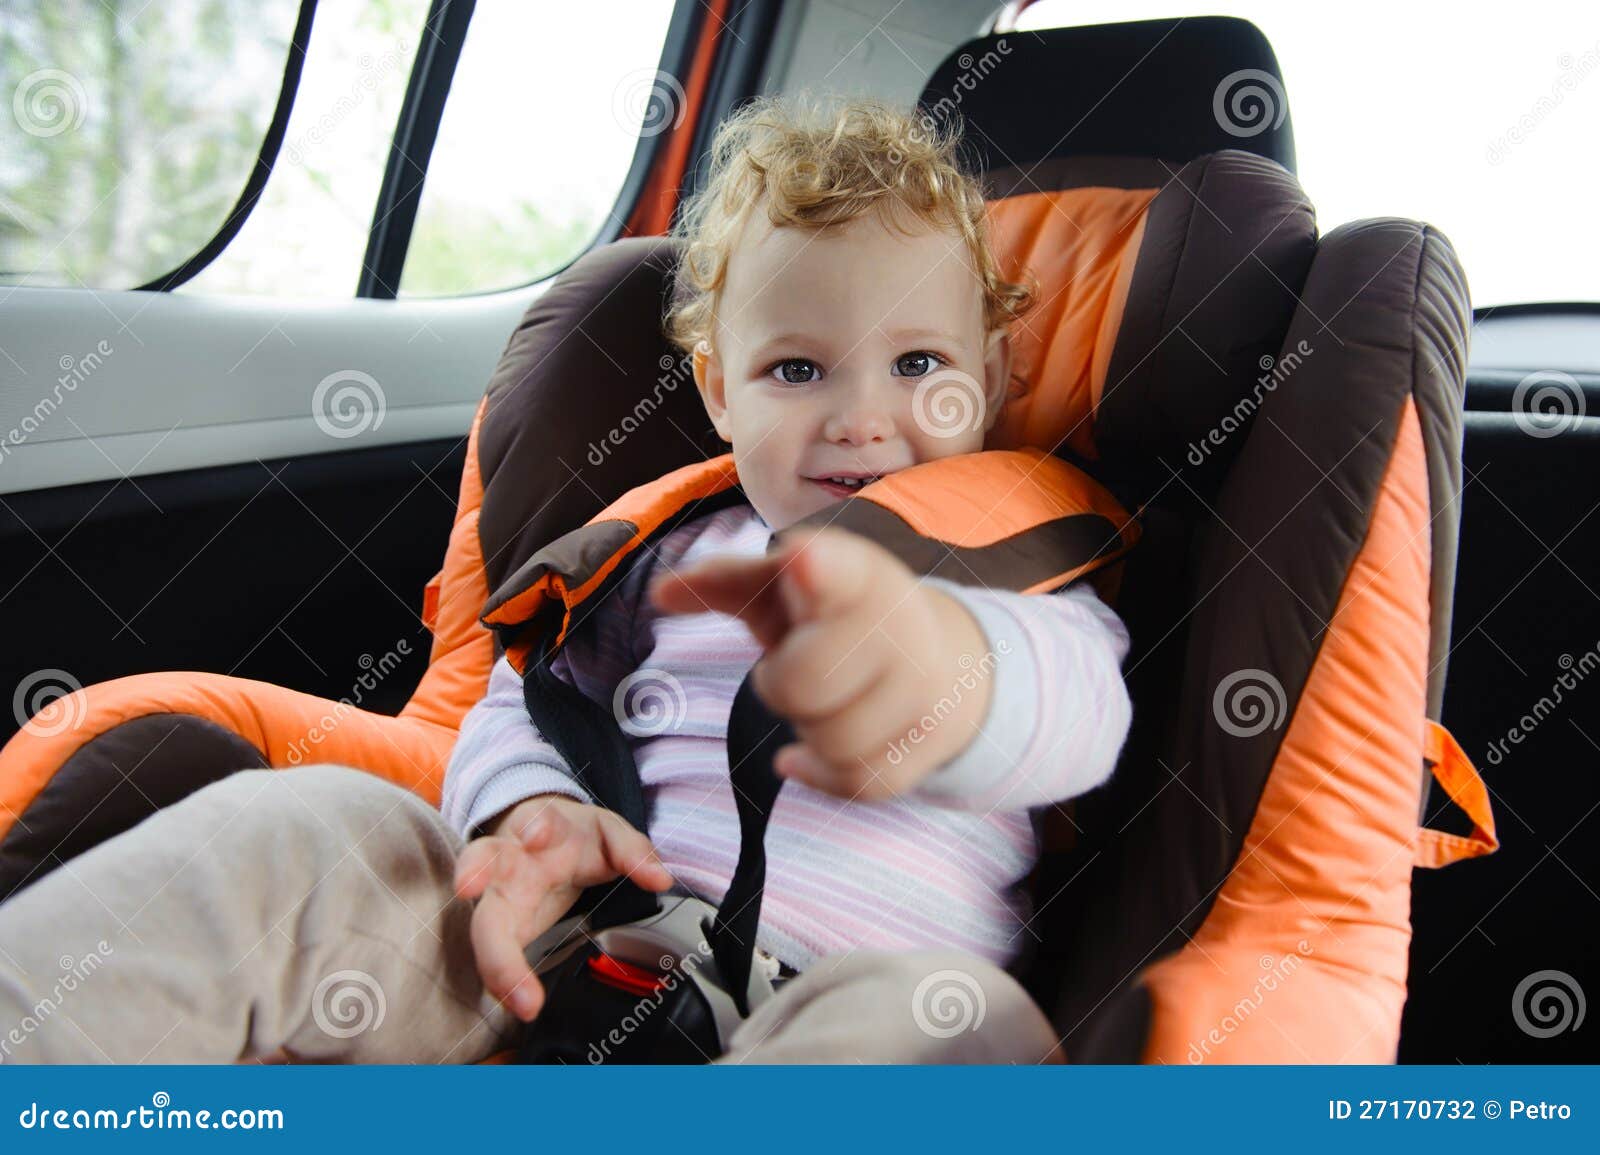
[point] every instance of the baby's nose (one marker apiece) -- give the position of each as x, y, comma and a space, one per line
860, 419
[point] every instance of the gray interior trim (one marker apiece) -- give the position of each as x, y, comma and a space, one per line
100, 385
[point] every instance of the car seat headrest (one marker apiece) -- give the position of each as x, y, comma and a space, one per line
1173, 89
589, 400
1160, 218
1165, 292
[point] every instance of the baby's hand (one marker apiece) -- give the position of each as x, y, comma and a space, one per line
858, 653
526, 875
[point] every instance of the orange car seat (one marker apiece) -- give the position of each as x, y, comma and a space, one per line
1282, 411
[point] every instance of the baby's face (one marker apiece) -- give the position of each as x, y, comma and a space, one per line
846, 354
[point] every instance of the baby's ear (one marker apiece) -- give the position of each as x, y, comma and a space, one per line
996, 376
709, 380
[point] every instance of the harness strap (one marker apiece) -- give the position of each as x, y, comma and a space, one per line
590, 740
755, 734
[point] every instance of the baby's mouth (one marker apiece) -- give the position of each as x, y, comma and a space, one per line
844, 484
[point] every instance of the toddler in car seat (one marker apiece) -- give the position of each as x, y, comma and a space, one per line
833, 269
836, 280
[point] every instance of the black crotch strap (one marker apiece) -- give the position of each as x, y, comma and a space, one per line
590, 738
755, 734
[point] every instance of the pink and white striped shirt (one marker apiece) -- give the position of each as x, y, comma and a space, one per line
938, 866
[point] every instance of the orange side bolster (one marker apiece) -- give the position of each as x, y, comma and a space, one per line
1461, 781
290, 728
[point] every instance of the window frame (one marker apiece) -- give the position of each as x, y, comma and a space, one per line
399, 197
266, 157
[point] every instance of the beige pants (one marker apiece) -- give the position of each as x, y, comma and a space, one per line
309, 914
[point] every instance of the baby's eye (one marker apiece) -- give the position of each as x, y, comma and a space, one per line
917, 364
794, 370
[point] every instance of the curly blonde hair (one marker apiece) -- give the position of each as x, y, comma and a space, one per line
812, 166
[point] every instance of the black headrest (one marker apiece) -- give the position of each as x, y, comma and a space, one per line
1171, 89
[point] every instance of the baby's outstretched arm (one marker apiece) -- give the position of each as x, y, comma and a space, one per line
895, 683
857, 649
1060, 710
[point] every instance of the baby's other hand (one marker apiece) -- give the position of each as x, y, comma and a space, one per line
526, 875
858, 652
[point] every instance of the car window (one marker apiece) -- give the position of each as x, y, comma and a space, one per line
308, 235
1485, 127
128, 131
548, 105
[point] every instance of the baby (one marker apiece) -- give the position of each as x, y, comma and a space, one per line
832, 264
835, 265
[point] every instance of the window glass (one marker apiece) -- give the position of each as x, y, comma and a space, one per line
128, 130
308, 234
1485, 125
548, 105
